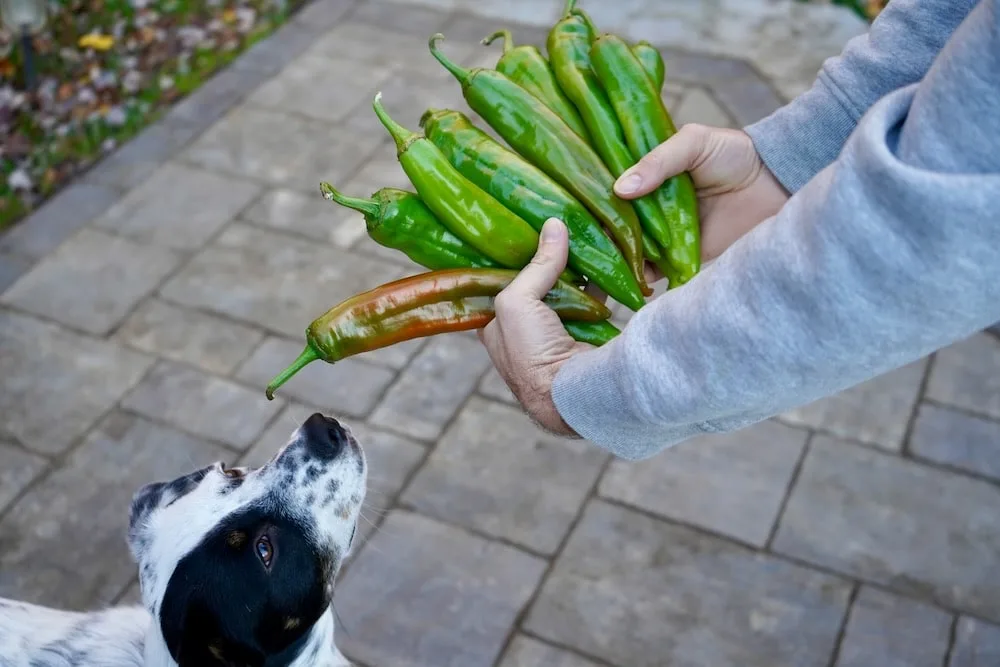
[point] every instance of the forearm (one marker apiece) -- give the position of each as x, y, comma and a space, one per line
799, 140
889, 254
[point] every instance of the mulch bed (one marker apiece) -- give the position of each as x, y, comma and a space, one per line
104, 69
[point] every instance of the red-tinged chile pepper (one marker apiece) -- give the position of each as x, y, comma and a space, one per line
594, 333
544, 139
652, 62
467, 211
569, 50
535, 197
526, 66
646, 124
423, 305
400, 220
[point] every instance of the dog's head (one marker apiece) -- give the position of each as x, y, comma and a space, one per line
237, 565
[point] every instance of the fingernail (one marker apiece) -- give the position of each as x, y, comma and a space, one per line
550, 230
629, 183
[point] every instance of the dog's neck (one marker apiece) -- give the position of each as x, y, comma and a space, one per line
318, 650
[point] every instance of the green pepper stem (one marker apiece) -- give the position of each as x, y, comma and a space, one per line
400, 134
367, 206
308, 356
426, 117
586, 19
570, 6
458, 72
508, 40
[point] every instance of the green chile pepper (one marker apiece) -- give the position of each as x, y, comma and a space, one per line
651, 61
540, 136
594, 333
526, 66
646, 124
469, 213
535, 197
400, 220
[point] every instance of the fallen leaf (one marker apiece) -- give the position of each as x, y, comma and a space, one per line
96, 41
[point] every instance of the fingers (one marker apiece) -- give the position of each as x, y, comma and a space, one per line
679, 153
541, 274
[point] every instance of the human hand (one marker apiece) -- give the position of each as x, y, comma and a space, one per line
736, 191
526, 340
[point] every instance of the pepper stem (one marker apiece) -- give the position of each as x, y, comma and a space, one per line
400, 134
508, 40
458, 72
367, 206
424, 119
308, 356
570, 5
587, 20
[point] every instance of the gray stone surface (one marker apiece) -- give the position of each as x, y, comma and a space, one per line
309, 215
527, 652
876, 412
92, 281
348, 388
18, 469
179, 207
448, 603
208, 104
495, 471
732, 484
977, 644
635, 591
12, 267
433, 387
954, 438
207, 406
271, 280
207, 341
918, 530
134, 162
55, 384
493, 386
697, 106
967, 375
886, 630
64, 543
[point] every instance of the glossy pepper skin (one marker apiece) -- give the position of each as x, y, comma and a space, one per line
651, 61
467, 211
540, 136
569, 44
400, 220
593, 333
422, 305
526, 66
646, 124
535, 197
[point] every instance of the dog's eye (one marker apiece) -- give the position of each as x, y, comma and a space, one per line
265, 550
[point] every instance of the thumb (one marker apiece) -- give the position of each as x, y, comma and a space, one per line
542, 272
677, 154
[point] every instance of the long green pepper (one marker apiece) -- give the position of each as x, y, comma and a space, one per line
646, 124
651, 61
535, 197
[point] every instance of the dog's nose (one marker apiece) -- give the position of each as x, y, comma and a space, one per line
324, 436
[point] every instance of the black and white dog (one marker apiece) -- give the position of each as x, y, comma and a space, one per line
236, 568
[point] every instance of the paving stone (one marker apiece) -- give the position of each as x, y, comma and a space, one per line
224, 91
418, 21
967, 375
131, 596
875, 412
134, 162
528, 652
748, 99
958, 439
382, 171
977, 644
472, 29
889, 631
703, 69
18, 468
308, 215
12, 267
494, 471
731, 484
179, 207
918, 530
697, 106
200, 339
54, 385
64, 542
204, 405
92, 281
324, 15
433, 387
58, 219
493, 386
450, 602
271, 280
347, 388
295, 89
636, 591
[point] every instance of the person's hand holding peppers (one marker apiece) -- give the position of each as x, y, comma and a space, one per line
526, 340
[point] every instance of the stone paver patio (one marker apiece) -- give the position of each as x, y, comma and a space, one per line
144, 308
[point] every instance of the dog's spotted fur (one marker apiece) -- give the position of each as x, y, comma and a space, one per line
236, 568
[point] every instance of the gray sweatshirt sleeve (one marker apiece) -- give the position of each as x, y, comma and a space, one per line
803, 137
890, 253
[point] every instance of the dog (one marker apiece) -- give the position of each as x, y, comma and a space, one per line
236, 568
